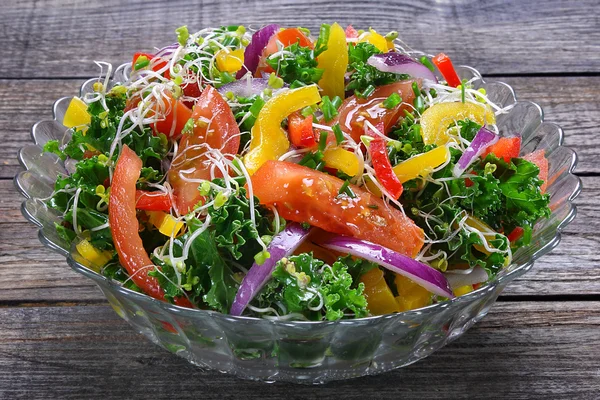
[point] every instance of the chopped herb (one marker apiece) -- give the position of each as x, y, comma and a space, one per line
392, 101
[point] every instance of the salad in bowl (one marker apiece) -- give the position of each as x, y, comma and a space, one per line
279, 178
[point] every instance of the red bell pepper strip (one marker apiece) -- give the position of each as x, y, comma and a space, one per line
383, 168
124, 227
505, 148
300, 130
152, 201
156, 67
515, 234
444, 64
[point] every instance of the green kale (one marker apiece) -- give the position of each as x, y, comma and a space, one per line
362, 75
235, 233
306, 285
53, 146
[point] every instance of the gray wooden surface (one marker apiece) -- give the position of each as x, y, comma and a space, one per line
59, 339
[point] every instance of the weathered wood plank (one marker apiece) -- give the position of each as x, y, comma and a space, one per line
570, 102
62, 38
519, 351
31, 273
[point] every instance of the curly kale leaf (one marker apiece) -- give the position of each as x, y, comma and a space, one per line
306, 285
235, 233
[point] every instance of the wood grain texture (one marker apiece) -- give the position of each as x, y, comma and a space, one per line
62, 38
88, 352
570, 102
30, 273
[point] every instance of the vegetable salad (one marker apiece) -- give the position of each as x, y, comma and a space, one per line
288, 175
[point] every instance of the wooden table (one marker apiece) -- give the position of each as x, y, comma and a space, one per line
60, 339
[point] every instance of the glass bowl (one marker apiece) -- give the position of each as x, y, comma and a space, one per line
310, 352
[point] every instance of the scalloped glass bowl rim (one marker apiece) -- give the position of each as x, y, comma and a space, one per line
516, 270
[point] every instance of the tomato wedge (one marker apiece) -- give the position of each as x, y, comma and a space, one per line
354, 111
124, 226
215, 127
152, 201
178, 114
302, 194
505, 148
538, 157
300, 130
286, 37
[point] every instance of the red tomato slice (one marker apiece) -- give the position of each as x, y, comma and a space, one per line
124, 226
301, 131
220, 133
286, 37
538, 157
302, 194
505, 148
355, 111
152, 201
178, 115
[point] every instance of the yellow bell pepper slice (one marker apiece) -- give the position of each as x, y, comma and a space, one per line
380, 299
437, 118
411, 295
375, 39
269, 141
343, 160
459, 291
76, 114
422, 164
484, 228
334, 63
229, 61
97, 258
165, 223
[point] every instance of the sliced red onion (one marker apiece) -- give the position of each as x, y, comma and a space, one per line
282, 245
482, 140
253, 51
400, 64
458, 278
422, 274
167, 50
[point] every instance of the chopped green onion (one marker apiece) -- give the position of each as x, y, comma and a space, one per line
392, 101
305, 225
297, 84
367, 92
373, 206
347, 190
329, 110
427, 62
416, 90
323, 39
337, 102
308, 110
256, 106
141, 62
323, 141
182, 35
339, 135
419, 104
